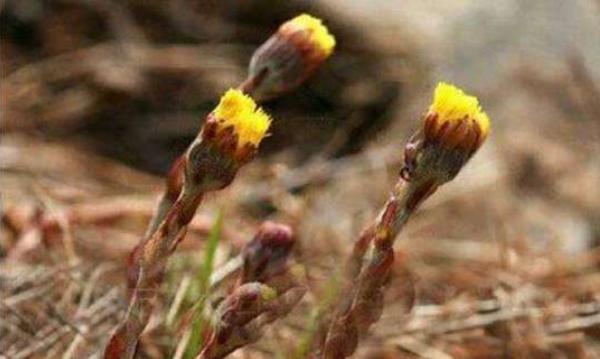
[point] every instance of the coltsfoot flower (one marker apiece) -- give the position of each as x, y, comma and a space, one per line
249, 122
288, 57
230, 138
310, 30
236, 126
455, 119
453, 129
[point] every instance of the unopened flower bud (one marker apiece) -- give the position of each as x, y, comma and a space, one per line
245, 303
266, 254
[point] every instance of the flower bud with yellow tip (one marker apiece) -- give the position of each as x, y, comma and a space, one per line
238, 119
453, 129
229, 139
288, 57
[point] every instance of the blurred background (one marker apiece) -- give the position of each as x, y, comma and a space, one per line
97, 97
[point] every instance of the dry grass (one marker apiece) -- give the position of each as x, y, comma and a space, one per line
503, 263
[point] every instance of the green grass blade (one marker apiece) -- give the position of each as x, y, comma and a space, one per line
198, 323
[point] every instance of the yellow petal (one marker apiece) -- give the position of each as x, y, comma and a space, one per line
249, 122
451, 104
319, 34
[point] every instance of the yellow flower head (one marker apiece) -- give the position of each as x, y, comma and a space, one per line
318, 33
452, 105
453, 130
249, 122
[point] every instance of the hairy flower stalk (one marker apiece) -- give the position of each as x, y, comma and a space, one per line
451, 132
229, 139
288, 57
268, 288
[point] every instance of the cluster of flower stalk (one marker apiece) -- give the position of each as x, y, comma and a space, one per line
228, 139
268, 287
270, 284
